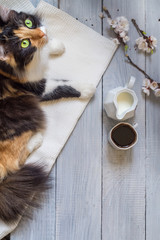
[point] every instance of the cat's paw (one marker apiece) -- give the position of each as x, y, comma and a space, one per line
56, 47
35, 142
86, 90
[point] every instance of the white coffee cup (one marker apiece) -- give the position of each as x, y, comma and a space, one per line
123, 136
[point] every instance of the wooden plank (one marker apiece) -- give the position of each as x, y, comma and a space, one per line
78, 202
123, 206
52, 2
43, 224
152, 129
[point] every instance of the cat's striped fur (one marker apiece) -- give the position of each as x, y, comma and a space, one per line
21, 117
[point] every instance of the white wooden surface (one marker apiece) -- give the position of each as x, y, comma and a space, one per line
152, 132
99, 193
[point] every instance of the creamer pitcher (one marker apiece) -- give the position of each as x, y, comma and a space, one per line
121, 102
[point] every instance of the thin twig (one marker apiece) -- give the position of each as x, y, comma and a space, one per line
141, 33
141, 70
107, 12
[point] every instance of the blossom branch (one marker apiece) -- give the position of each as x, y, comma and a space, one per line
121, 26
145, 43
120, 40
118, 34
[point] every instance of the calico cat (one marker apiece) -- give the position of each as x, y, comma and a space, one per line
24, 51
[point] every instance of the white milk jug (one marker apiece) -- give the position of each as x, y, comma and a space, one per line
121, 102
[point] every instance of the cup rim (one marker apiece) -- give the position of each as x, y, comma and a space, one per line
133, 128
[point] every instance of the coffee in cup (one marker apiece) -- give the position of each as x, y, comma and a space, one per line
123, 136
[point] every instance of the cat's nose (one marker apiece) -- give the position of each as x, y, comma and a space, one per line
43, 29
41, 34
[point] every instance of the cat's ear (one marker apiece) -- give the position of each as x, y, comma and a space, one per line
4, 13
7, 57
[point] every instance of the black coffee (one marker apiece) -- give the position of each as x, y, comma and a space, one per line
123, 135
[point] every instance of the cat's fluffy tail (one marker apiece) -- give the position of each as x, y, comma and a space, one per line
17, 190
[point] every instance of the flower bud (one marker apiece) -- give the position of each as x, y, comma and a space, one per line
146, 83
146, 91
157, 92
153, 85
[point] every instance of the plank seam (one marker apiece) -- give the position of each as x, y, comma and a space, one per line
145, 134
102, 1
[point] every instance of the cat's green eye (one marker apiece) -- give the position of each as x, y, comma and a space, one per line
28, 23
25, 43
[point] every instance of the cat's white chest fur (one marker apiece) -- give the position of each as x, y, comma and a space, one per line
35, 71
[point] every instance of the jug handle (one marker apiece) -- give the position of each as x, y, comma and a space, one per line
131, 82
135, 125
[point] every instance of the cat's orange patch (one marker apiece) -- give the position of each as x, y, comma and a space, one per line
7, 75
36, 36
13, 153
11, 61
10, 91
15, 78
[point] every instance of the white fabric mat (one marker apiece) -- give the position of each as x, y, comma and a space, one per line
86, 58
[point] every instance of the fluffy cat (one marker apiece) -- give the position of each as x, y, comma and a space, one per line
24, 50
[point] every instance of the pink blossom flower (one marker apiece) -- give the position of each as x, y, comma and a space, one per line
157, 92
146, 91
122, 34
122, 24
112, 22
126, 39
154, 85
147, 44
121, 27
142, 44
116, 41
146, 83
153, 41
